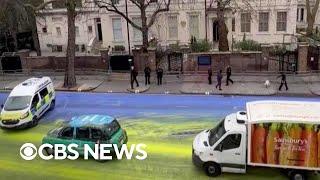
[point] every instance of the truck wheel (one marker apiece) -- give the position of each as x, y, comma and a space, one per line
212, 169
52, 104
296, 175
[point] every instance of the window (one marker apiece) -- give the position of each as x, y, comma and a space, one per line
77, 48
194, 26
232, 141
15, 103
281, 21
233, 26
113, 127
245, 22
263, 21
83, 48
117, 29
173, 27
43, 93
56, 48
35, 101
82, 133
216, 133
67, 132
44, 30
77, 31
58, 29
137, 34
90, 29
59, 48
301, 14
96, 134
59, 5
115, 1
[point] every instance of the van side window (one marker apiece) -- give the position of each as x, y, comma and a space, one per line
82, 133
232, 141
67, 132
35, 101
43, 93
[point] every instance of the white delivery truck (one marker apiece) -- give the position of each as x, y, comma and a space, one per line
275, 134
27, 102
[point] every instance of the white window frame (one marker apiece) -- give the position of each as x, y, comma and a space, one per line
263, 23
117, 29
173, 27
136, 33
245, 22
194, 28
282, 24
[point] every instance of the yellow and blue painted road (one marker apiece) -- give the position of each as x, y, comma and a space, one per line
167, 124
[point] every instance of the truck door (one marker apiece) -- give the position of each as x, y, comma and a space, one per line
232, 151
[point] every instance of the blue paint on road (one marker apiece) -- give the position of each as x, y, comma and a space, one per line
130, 106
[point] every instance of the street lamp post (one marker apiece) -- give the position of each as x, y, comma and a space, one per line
128, 33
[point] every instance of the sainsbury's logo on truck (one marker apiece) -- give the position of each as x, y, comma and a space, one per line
289, 144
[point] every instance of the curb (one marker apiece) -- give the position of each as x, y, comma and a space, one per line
138, 90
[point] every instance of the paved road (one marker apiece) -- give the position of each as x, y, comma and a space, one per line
130, 106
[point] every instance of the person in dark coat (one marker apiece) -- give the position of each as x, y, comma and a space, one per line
210, 75
229, 75
159, 75
133, 76
219, 79
147, 72
283, 81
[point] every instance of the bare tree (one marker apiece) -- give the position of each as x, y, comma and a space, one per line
311, 15
69, 78
156, 6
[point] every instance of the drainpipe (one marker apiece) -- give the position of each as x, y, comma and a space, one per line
205, 19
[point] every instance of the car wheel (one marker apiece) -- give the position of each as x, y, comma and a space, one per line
212, 169
52, 105
49, 151
296, 175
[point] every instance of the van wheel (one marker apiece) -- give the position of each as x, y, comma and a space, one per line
298, 175
52, 105
212, 169
34, 122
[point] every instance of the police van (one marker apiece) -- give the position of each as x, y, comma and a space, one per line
27, 102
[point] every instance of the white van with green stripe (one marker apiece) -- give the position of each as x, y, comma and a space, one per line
27, 102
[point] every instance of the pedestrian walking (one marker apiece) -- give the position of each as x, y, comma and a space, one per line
229, 75
147, 72
159, 75
283, 81
210, 75
219, 79
133, 77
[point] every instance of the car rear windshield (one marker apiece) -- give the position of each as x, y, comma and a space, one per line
14, 103
113, 127
216, 133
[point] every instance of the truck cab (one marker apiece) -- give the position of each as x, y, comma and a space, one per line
223, 148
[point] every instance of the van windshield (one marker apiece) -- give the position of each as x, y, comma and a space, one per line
216, 133
15, 103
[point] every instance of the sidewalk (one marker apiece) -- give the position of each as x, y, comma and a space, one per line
187, 84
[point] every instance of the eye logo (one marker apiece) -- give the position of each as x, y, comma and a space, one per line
28, 151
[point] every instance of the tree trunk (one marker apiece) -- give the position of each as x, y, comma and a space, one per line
145, 33
222, 30
310, 22
35, 37
70, 78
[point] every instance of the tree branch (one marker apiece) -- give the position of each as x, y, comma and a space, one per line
155, 13
41, 6
112, 8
